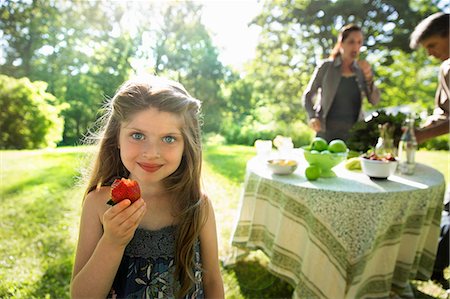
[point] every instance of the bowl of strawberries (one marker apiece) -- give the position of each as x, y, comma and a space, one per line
378, 167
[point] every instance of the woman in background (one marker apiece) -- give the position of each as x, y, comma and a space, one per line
340, 83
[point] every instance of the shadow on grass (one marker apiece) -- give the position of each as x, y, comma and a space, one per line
419, 295
40, 227
255, 281
55, 282
57, 173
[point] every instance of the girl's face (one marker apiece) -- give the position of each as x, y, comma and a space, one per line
151, 145
351, 46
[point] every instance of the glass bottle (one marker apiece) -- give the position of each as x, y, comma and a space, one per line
407, 147
385, 144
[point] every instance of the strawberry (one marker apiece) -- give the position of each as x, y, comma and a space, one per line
122, 189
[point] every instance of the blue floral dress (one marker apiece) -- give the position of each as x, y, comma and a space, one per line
147, 267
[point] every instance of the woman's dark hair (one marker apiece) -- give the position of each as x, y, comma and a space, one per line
343, 34
436, 24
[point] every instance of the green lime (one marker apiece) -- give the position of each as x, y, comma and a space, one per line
337, 146
319, 144
312, 173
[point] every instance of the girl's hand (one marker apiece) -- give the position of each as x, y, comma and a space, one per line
366, 69
121, 221
314, 123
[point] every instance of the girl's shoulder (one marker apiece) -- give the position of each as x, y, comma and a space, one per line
205, 201
206, 206
97, 199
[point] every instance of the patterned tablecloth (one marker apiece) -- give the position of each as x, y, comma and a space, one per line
343, 237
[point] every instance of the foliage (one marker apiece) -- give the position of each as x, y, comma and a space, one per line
250, 115
183, 50
364, 134
81, 50
386, 23
438, 143
410, 79
30, 117
297, 34
251, 129
85, 50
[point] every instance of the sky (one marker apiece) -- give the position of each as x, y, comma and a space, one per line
231, 34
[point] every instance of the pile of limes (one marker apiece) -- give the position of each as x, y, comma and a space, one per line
320, 145
336, 146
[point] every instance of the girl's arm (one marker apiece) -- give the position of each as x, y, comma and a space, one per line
104, 234
212, 279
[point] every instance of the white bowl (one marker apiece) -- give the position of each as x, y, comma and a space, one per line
282, 166
378, 169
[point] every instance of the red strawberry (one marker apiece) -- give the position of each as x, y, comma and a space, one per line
122, 189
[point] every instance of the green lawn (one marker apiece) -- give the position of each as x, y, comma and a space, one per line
40, 202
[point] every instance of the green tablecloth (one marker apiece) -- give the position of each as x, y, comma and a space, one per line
343, 237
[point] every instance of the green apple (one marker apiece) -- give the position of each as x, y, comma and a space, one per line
312, 173
319, 144
337, 146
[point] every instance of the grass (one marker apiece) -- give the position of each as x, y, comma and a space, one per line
40, 202
39, 210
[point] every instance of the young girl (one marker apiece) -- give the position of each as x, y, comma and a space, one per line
163, 245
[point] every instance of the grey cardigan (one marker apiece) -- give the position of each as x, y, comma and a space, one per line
324, 83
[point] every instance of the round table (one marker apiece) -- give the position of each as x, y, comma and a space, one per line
343, 237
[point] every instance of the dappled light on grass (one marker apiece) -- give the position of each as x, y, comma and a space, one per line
428, 290
39, 208
255, 281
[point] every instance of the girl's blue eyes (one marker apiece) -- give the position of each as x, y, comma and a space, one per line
137, 136
169, 139
165, 139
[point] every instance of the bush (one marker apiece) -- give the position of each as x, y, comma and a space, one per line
247, 133
29, 117
364, 134
213, 139
437, 143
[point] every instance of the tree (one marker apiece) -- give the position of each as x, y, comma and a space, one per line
82, 50
411, 79
85, 50
386, 23
30, 117
183, 50
297, 34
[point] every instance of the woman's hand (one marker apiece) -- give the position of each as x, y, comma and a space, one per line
314, 123
121, 221
366, 69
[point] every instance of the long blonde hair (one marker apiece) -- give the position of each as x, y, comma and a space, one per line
184, 184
